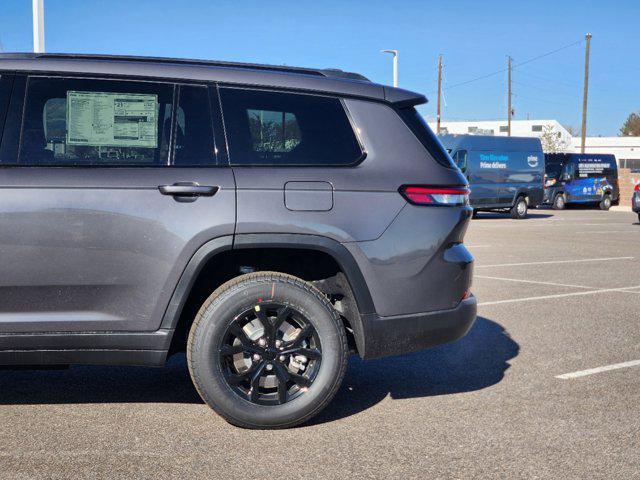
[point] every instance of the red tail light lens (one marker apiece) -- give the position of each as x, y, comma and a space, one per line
444, 196
637, 187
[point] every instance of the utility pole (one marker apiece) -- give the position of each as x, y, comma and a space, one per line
439, 92
38, 26
586, 92
395, 65
509, 110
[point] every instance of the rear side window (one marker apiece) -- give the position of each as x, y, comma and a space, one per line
5, 94
279, 129
95, 122
194, 141
421, 130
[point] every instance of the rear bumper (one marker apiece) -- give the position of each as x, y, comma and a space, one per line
385, 336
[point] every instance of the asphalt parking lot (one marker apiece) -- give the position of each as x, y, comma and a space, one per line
559, 295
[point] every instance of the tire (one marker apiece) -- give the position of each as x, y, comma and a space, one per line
638, 217
519, 209
474, 214
241, 371
559, 202
605, 203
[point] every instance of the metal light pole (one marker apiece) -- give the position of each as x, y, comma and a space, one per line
38, 26
395, 64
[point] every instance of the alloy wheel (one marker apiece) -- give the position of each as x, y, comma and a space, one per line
270, 354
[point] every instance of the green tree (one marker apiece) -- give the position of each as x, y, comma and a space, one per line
631, 126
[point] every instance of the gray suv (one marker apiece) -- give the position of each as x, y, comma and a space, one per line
266, 220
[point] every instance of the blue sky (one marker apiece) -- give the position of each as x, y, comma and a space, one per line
474, 37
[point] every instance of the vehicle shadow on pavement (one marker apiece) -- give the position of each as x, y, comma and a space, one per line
476, 361
100, 384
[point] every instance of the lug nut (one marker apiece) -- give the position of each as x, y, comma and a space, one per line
269, 367
256, 357
283, 358
262, 342
278, 343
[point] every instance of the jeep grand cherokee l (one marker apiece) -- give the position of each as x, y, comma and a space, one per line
266, 220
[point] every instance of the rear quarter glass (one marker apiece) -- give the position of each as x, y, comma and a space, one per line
421, 130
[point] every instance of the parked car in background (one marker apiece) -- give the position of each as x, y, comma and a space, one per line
635, 200
504, 173
581, 178
266, 220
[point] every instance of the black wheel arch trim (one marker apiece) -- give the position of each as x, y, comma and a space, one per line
327, 245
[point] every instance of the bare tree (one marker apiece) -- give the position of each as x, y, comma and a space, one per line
552, 141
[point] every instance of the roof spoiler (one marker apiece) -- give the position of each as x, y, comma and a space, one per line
403, 98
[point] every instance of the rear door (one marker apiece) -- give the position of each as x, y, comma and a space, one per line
483, 173
107, 188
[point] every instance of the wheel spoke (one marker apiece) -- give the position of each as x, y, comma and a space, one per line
254, 393
269, 331
228, 350
238, 378
302, 334
283, 314
310, 353
283, 377
238, 332
300, 380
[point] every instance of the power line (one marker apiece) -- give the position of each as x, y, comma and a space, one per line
502, 70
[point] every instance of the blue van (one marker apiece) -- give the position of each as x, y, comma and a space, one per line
581, 178
504, 173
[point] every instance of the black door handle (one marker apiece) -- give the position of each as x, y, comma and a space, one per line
188, 191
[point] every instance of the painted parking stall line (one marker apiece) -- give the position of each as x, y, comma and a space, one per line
554, 262
593, 371
560, 295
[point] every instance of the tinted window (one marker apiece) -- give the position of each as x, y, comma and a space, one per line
194, 130
420, 129
5, 93
460, 158
274, 128
95, 122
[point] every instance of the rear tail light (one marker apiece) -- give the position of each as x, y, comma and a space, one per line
637, 187
442, 196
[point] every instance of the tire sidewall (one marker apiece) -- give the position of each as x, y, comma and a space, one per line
515, 212
559, 203
208, 335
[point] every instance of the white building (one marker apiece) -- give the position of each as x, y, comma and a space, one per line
519, 128
626, 149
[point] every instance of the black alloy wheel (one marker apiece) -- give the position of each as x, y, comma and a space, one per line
270, 354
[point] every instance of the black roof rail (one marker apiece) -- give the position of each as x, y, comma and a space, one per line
327, 72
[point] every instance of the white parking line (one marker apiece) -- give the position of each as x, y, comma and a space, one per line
607, 232
559, 295
554, 262
553, 284
591, 371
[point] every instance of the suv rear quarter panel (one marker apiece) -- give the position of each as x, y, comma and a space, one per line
366, 198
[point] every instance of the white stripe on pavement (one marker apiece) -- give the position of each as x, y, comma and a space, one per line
591, 371
553, 284
559, 295
554, 262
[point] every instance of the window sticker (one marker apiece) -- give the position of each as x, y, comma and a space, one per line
112, 119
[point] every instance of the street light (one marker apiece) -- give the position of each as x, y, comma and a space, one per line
395, 65
38, 26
